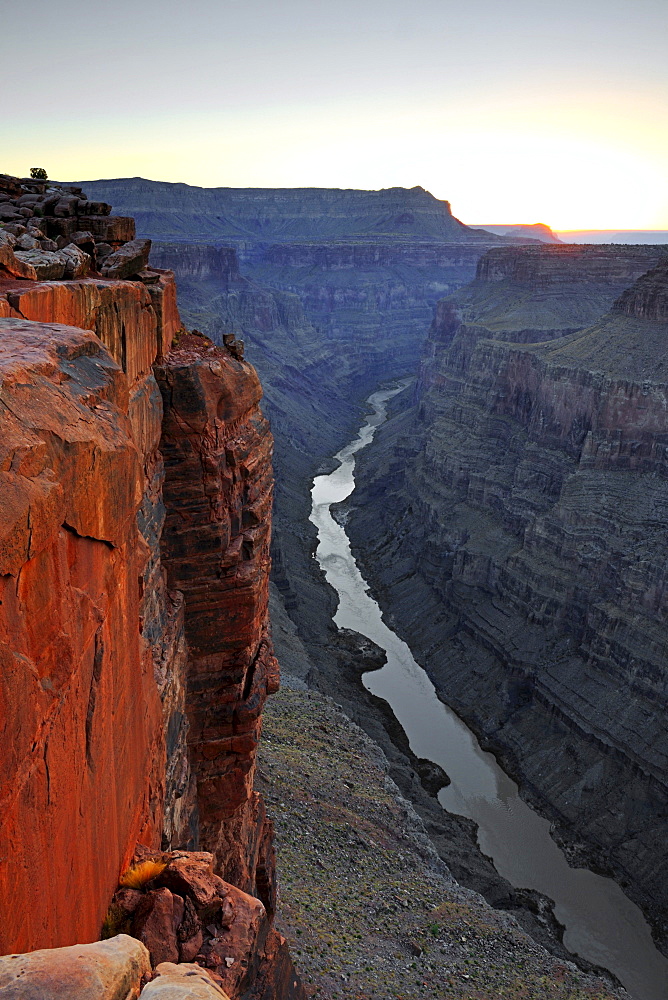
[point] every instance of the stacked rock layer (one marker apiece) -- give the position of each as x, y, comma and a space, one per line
523, 549
116, 733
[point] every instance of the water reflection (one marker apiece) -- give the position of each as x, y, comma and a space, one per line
602, 924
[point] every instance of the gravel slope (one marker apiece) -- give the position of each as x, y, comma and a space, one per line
369, 909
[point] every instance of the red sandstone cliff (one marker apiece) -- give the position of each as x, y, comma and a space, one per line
129, 656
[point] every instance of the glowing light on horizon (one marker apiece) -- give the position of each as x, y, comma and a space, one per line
514, 113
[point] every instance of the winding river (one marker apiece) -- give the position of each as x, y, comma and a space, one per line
602, 924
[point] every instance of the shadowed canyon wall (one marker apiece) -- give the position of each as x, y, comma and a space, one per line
522, 545
332, 292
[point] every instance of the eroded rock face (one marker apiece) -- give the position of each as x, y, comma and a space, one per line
93, 633
524, 548
79, 700
217, 450
93, 643
187, 913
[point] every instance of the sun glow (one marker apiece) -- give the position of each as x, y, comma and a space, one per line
516, 113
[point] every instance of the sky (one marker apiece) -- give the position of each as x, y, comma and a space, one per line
516, 111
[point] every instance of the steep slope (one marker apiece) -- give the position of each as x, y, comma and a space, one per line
135, 498
513, 524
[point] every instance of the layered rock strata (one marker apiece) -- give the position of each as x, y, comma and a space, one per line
541, 293
522, 552
218, 490
270, 215
117, 731
334, 293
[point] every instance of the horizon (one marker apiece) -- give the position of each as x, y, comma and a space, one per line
303, 187
520, 112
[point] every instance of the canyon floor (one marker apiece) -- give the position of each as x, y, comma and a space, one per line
369, 909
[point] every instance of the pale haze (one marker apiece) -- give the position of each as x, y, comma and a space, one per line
515, 112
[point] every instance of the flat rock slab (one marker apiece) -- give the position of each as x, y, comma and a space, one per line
49, 266
106, 970
128, 260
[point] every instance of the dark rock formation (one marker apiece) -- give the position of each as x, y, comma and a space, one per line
218, 490
522, 545
537, 231
271, 214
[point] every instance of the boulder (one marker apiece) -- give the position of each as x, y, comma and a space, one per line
127, 900
77, 263
13, 265
103, 250
66, 206
182, 982
196, 880
105, 970
128, 260
87, 207
27, 242
48, 266
9, 212
153, 924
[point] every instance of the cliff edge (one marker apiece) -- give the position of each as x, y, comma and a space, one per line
135, 480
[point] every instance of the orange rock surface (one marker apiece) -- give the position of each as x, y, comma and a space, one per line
82, 769
134, 661
91, 643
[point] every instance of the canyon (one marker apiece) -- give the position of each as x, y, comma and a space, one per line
508, 517
332, 292
351, 305
521, 545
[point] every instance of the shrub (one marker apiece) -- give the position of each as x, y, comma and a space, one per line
38, 174
137, 876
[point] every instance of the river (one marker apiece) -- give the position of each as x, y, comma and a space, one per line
602, 924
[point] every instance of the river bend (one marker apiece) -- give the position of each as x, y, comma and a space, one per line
602, 924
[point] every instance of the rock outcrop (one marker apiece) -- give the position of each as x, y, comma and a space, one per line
522, 548
135, 660
218, 491
106, 970
79, 539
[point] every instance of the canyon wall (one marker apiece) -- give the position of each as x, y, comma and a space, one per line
136, 488
332, 292
81, 522
521, 546
269, 214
